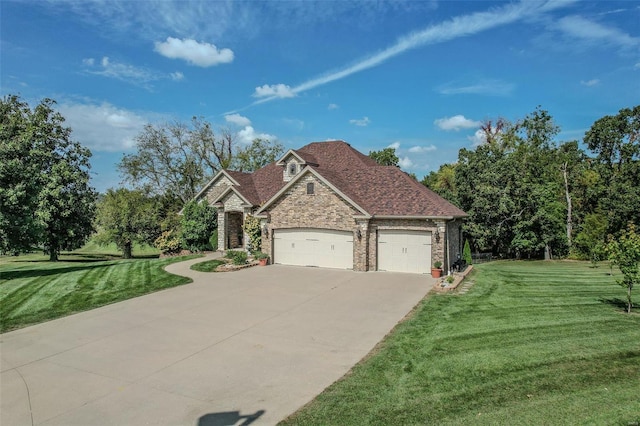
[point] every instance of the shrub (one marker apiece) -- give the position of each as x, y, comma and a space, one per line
238, 257
466, 253
168, 242
450, 279
199, 220
437, 264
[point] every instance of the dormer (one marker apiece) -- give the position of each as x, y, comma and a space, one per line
292, 164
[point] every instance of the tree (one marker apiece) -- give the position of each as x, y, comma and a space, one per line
199, 220
385, 157
625, 254
616, 141
126, 217
19, 182
177, 158
45, 197
589, 242
443, 182
256, 155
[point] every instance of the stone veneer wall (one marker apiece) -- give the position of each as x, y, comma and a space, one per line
322, 210
217, 188
437, 248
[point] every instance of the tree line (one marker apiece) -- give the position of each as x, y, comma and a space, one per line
530, 196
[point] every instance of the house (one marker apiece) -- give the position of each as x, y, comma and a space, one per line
328, 205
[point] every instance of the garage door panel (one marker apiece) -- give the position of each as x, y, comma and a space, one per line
404, 251
314, 247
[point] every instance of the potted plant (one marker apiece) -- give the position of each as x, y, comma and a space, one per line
436, 272
261, 257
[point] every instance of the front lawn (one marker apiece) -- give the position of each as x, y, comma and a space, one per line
33, 290
530, 343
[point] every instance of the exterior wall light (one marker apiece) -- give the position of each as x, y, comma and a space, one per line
359, 233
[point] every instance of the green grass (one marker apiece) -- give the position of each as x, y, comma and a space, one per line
531, 343
207, 266
33, 290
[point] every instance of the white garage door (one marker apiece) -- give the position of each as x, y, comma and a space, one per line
404, 251
313, 247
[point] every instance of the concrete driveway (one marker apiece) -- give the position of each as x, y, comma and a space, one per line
250, 346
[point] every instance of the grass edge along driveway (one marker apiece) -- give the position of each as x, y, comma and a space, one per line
530, 343
35, 291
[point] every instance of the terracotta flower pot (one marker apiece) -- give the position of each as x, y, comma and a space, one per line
263, 262
436, 273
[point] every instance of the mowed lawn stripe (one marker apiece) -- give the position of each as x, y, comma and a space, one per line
32, 292
517, 348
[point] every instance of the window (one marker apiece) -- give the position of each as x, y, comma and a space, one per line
310, 188
292, 169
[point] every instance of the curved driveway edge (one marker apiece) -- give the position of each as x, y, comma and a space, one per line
253, 346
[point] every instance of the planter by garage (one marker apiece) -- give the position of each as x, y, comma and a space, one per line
436, 272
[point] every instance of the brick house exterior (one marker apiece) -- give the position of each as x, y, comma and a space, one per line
326, 196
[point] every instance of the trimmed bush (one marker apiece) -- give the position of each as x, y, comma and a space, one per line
238, 257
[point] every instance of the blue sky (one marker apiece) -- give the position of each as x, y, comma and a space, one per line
417, 75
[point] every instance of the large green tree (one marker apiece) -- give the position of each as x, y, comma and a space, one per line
177, 158
514, 189
616, 141
256, 155
127, 217
45, 196
385, 157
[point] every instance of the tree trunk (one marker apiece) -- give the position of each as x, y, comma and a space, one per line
547, 252
126, 250
569, 205
53, 254
629, 299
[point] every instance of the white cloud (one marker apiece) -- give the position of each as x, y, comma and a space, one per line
484, 87
589, 83
248, 134
394, 145
420, 149
177, 76
593, 32
361, 122
478, 138
333, 106
274, 91
405, 163
637, 66
195, 53
456, 123
102, 127
237, 119
128, 73
459, 26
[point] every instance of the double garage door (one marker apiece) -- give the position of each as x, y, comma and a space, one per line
313, 247
404, 251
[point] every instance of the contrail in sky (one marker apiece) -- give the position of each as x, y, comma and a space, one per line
459, 26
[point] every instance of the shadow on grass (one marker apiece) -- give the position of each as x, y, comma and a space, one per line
43, 272
618, 303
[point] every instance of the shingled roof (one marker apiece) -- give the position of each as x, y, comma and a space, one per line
379, 190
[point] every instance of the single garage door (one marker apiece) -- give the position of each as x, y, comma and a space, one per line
313, 247
404, 251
